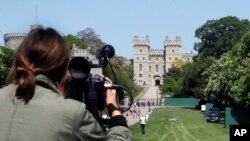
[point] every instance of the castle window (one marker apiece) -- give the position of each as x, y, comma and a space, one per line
149, 68
156, 68
140, 50
149, 58
140, 67
137, 58
143, 58
156, 58
172, 51
169, 58
140, 75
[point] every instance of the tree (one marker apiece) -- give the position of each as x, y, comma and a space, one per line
91, 39
122, 72
172, 82
219, 36
193, 81
178, 62
73, 40
6, 59
229, 78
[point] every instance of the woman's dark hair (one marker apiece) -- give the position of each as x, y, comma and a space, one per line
43, 51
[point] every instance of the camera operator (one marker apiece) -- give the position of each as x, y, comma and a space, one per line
89, 89
33, 109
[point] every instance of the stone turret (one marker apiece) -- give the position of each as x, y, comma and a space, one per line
34, 26
142, 42
13, 40
173, 43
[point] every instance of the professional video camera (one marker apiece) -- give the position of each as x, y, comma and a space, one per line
91, 89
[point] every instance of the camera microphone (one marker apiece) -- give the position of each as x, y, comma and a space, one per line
107, 51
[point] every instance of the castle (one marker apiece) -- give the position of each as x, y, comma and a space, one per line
13, 40
149, 65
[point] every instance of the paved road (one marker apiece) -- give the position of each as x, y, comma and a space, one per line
151, 93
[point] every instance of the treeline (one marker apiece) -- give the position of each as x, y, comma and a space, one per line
122, 67
84, 39
220, 73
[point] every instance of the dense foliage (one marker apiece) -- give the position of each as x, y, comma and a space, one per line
6, 59
220, 71
219, 36
123, 74
229, 77
74, 41
121, 66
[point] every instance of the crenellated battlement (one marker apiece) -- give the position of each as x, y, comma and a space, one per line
156, 52
14, 36
13, 40
173, 43
141, 42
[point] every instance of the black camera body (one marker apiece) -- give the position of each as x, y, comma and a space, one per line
91, 89
87, 88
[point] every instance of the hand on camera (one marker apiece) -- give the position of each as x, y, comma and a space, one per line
112, 100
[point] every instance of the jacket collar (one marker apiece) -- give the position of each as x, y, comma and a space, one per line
44, 81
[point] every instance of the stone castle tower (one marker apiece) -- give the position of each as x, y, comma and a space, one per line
13, 40
149, 65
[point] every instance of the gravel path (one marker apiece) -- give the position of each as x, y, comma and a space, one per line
151, 93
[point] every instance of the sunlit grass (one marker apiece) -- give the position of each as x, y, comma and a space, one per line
180, 124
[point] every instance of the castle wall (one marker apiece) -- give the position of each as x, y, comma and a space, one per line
150, 65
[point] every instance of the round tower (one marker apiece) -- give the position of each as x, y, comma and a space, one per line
13, 40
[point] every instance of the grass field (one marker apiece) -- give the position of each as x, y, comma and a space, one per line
180, 124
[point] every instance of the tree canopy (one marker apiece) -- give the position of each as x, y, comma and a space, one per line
220, 73
91, 39
6, 59
219, 36
73, 40
229, 77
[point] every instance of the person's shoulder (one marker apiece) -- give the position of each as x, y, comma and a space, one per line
55, 99
7, 89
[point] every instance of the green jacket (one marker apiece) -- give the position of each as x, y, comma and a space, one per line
48, 116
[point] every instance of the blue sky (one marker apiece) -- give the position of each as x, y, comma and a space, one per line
118, 21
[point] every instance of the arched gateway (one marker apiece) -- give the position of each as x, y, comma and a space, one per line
157, 80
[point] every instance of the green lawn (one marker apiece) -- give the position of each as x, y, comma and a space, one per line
180, 124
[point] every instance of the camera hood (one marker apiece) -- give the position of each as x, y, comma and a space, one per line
79, 68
